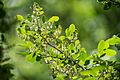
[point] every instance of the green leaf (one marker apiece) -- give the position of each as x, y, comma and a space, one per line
30, 58
19, 17
29, 18
41, 12
102, 45
67, 32
30, 44
114, 40
74, 77
98, 68
71, 47
72, 28
75, 56
83, 55
77, 42
62, 38
22, 31
110, 52
86, 72
54, 19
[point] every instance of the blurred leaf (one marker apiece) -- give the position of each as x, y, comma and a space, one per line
62, 38
43, 18
20, 17
75, 56
107, 5
1, 4
114, 40
2, 13
110, 52
102, 45
86, 72
29, 18
77, 42
72, 28
54, 19
22, 30
67, 32
30, 58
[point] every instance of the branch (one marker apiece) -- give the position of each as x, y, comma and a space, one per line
51, 45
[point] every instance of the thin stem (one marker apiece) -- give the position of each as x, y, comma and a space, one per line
51, 44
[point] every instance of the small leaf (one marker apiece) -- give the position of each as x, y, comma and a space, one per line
114, 40
30, 44
72, 28
67, 32
19, 17
74, 77
83, 55
29, 18
54, 19
30, 58
62, 38
110, 52
22, 30
75, 56
77, 42
102, 45
86, 72
41, 12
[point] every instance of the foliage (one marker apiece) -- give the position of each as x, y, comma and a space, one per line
5, 67
62, 51
109, 3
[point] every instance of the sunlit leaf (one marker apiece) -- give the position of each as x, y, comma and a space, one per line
20, 17
62, 38
114, 40
102, 45
30, 58
72, 28
110, 52
54, 19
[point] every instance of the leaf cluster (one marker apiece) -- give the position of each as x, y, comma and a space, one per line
63, 52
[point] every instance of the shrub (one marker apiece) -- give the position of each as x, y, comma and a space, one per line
48, 43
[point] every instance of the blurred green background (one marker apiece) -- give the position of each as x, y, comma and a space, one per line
93, 24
